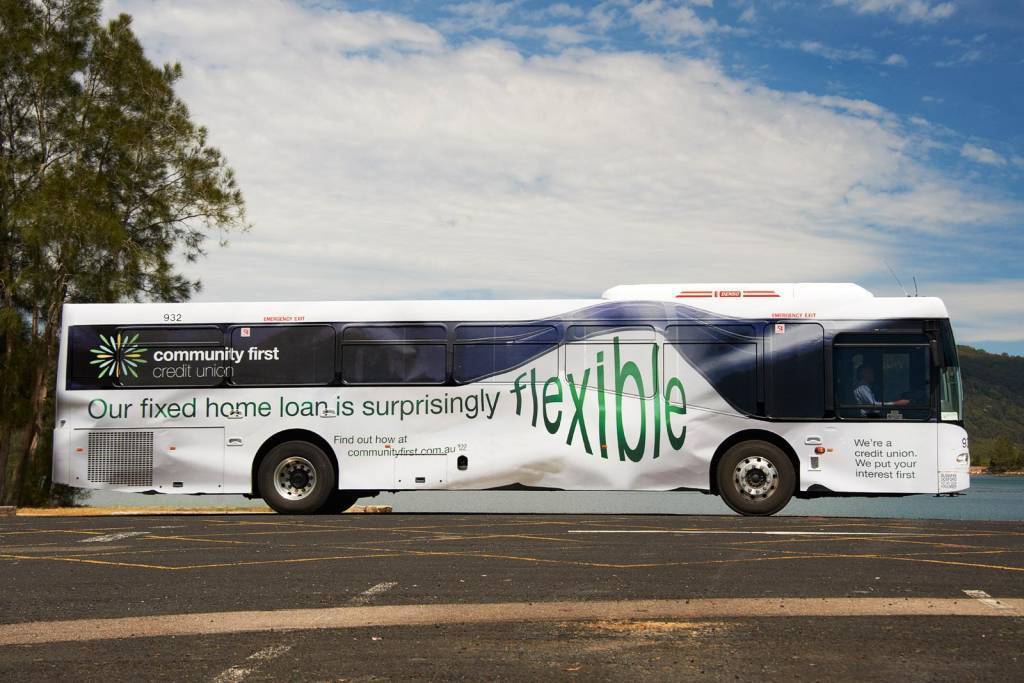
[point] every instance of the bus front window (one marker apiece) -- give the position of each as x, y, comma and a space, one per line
883, 377
952, 398
951, 393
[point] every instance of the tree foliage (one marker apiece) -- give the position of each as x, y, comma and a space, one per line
1004, 456
994, 404
106, 184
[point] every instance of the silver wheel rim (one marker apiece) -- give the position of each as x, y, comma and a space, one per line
756, 478
294, 478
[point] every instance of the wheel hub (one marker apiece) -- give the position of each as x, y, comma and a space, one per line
298, 479
756, 478
295, 478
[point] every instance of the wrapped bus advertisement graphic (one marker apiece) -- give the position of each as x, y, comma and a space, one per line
755, 393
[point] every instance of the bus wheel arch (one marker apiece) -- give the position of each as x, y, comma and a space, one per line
291, 435
749, 436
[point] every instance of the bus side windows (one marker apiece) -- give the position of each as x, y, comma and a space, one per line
171, 356
487, 353
625, 332
282, 355
619, 347
178, 336
85, 368
394, 333
726, 355
394, 363
626, 365
394, 354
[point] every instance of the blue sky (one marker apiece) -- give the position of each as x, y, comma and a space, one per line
505, 149
957, 64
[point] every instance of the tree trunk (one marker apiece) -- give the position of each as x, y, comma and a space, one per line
30, 432
29, 439
40, 390
22, 436
6, 390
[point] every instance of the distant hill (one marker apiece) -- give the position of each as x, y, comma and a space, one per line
994, 400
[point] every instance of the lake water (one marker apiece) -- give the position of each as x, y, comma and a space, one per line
990, 497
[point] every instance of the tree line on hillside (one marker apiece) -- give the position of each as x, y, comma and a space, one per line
105, 182
994, 407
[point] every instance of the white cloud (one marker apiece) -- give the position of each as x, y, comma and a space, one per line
379, 160
479, 14
671, 22
908, 11
834, 54
602, 16
968, 57
990, 311
983, 155
561, 10
555, 36
277, 29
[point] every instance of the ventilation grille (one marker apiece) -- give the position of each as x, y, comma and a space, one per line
121, 458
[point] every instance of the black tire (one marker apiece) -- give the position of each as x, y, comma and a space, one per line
338, 502
756, 478
306, 478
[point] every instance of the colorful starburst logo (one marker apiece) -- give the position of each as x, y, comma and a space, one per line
117, 356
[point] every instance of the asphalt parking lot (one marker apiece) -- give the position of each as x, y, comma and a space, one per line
359, 597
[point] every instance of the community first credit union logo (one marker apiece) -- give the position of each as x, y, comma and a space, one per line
117, 356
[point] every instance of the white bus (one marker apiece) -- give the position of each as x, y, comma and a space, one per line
754, 392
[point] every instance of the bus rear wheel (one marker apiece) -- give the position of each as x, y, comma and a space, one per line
296, 478
756, 478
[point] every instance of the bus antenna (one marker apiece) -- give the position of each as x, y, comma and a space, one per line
895, 277
915, 285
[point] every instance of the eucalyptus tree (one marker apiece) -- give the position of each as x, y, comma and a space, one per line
106, 183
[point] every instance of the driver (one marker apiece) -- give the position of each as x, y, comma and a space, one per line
865, 395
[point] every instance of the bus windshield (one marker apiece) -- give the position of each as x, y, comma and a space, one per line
951, 398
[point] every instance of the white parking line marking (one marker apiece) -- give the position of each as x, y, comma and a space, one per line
253, 662
986, 599
372, 591
360, 617
742, 533
113, 537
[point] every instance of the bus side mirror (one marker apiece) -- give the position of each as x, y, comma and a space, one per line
936, 353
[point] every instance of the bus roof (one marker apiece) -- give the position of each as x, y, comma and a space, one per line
784, 300
778, 301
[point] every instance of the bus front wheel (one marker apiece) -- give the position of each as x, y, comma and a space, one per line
296, 478
756, 478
